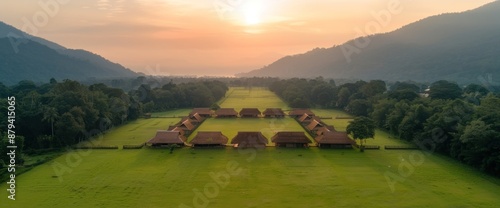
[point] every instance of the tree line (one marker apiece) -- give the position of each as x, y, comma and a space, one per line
60, 114
463, 123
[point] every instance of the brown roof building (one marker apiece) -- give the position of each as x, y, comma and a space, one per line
250, 140
306, 118
314, 125
185, 118
334, 139
299, 112
196, 117
209, 139
203, 112
250, 112
176, 128
163, 137
274, 112
291, 139
186, 125
226, 113
325, 129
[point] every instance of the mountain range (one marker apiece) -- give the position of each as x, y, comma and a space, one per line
462, 47
27, 57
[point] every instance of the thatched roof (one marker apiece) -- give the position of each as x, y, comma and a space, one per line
325, 129
305, 118
250, 112
273, 112
290, 137
196, 117
185, 118
314, 125
163, 137
208, 137
300, 112
201, 111
226, 112
250, 139
176, 128
334, 137
186, 125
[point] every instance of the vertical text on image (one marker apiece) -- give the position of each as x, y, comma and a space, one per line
11, 146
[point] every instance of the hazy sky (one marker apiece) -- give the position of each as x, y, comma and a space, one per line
213, 37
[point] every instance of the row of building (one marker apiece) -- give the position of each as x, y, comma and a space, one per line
324, 135
328, 138
248, 113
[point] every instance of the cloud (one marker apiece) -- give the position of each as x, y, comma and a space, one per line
116, 28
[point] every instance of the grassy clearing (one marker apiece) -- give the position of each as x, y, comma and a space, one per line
268, 126
261, 98
172, 113
273, 178
134, 133
381, 137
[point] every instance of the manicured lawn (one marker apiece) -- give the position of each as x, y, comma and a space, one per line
134, 133
273, 178
231, 126
175, 113
381, 138
230, 177
251, 98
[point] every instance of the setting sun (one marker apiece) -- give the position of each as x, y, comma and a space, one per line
252, 12
249, 103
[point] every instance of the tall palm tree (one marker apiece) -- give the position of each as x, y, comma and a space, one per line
51, 116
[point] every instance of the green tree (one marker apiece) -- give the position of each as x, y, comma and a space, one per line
396, 116
443, 126
322, 94
404, 86
50, 115
381, 110
343, 98
481, 146
403, 95
413, 122
373, 88
475, 88
445, 90
68, 129
359, 107
361, 128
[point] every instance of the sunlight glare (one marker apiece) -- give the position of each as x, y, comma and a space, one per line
252, 11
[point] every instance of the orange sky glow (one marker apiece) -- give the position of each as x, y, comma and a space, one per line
215, 37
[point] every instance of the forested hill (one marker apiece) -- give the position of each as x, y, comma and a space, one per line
459, 47
25, 57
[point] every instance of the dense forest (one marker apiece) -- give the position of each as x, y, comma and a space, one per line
60, 114
461, 123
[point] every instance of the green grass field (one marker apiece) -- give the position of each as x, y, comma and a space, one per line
274, 178
266, 178
175, 113
268, 126
261, 98
134, 133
